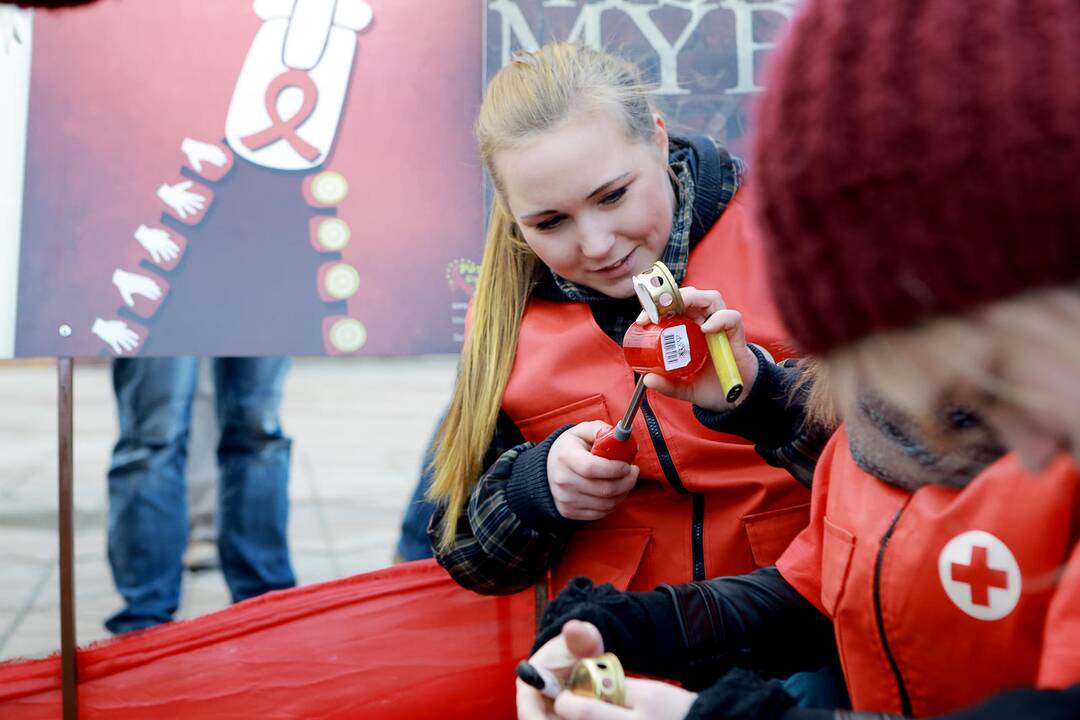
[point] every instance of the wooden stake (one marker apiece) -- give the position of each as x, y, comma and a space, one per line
65, 368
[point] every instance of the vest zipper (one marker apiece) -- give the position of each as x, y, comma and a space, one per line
697, 540
905, 701
697, 525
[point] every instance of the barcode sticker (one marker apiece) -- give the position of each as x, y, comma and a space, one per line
676, 347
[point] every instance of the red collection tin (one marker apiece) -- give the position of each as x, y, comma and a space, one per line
674, 348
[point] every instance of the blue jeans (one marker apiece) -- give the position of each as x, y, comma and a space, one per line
413, 542
824, 688
148, 524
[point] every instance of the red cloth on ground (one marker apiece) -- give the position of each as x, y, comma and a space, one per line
403, 642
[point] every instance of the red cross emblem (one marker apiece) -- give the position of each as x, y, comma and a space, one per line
980, 575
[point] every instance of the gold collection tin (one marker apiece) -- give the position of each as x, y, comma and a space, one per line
599, 677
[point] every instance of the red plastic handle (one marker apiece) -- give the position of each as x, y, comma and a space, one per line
608, 446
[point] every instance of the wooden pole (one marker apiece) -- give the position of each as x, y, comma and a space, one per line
65, 368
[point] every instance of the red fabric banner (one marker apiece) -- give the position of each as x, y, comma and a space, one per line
395, 643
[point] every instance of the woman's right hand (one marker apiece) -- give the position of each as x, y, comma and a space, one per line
586, 486
558, 655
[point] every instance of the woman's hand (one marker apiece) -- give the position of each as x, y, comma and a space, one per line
586, 486
578, 640
645, 700
707, 309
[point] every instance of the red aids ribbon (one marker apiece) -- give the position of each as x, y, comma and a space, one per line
286, 129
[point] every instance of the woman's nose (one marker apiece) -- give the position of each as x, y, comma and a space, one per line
596, 241
1033, 444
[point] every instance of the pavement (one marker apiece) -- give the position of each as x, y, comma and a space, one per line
359, 426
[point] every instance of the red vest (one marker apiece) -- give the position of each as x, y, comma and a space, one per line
944, 596
568, 371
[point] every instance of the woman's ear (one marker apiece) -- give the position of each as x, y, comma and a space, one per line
660, 136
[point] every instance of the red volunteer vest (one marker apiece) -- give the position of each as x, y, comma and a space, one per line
974, 591
567, 370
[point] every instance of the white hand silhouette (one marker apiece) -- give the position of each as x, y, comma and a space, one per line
131, 284
266, 9
158, 243
180, 199
353, 14
117, 334
198, 152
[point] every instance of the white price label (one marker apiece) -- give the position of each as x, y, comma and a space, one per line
676, 346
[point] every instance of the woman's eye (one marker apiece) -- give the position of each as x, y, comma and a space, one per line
962, 418
613, 197
550, 224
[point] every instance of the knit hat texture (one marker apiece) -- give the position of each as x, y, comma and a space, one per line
914, 158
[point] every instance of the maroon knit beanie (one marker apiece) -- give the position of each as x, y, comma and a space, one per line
917, 157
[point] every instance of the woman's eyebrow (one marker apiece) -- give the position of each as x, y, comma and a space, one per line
598, 191
538, 213
606, 185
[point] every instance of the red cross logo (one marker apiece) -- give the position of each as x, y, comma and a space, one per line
980, 576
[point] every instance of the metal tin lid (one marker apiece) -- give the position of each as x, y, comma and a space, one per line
658, 292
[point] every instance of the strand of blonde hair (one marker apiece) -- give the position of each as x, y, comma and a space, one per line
507, 274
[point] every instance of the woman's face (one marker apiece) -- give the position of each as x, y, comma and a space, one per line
1038, 416
1025, 393
594, 205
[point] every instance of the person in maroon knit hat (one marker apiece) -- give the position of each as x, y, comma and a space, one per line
47, 4
915, 173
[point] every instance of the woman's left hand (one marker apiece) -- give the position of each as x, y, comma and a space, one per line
707, 309
645, 700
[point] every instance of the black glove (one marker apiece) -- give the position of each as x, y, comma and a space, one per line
622, 618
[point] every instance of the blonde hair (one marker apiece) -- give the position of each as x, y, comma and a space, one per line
902, 365
531, 95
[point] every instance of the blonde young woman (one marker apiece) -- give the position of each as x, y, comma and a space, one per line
590, 189
934, 269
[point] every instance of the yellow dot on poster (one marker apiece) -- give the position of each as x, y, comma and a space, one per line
333, 234
341, 281
329, 187
348, 335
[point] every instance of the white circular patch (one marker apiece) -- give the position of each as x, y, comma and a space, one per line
348, 335
980, 575
329, 187
341, 281
333, 234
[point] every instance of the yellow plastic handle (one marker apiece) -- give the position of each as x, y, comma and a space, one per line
723, 361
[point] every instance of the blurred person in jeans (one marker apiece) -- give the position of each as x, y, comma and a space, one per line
202, 485
148, 517
413, 543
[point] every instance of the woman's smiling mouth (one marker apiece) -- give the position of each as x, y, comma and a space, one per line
616, 269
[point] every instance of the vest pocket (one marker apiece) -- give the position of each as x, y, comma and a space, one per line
537, 427
837, 548
771, 532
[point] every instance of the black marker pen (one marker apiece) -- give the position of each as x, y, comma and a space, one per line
539, 678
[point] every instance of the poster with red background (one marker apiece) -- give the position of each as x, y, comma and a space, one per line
155, 223
299, 177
